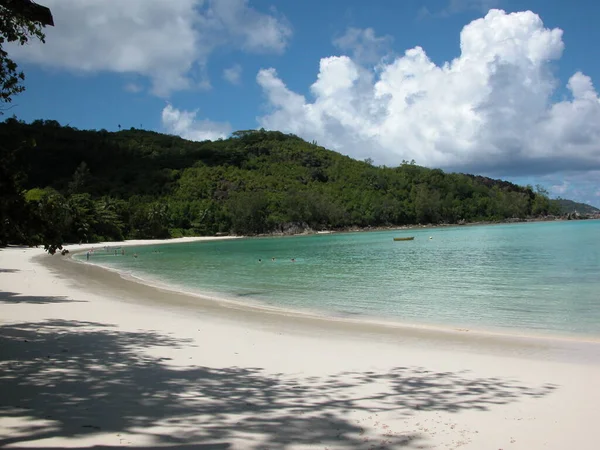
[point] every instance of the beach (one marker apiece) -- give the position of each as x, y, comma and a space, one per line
92, 360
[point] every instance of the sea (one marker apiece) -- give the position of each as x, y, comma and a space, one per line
536, 278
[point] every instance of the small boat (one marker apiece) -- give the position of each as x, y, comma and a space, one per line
410, 238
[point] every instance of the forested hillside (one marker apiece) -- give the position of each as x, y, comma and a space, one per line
98, 185
569, 206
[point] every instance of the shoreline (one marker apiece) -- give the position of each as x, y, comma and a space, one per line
373, 322
143, 242
90, 359
429, 226
322, 316
80, 248
102, 281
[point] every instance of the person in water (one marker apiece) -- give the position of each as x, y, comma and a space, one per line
259, 260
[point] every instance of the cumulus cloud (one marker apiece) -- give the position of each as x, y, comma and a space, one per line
488, 110
233, 74
185, 124
363, 45
168, 41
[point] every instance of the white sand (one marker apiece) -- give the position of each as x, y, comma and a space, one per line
90, 363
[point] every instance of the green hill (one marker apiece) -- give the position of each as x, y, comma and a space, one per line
90, 185
569, 207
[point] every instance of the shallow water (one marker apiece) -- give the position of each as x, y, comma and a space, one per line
534, 277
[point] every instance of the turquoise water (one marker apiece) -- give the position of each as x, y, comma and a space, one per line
539, 277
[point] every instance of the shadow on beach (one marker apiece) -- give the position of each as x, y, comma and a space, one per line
74, 379
129, 447
13, 297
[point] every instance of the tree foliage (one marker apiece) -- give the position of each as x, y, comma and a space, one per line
19, 24
96, 185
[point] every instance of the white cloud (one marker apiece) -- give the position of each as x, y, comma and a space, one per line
233, 74
560, 189
581, 186
168, 41
363, 45
184, 124
489, 110
134, 88
249, 29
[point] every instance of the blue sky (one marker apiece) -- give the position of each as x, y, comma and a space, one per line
517, 102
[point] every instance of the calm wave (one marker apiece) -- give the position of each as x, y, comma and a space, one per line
541, 277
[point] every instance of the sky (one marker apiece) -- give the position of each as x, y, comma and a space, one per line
503, 88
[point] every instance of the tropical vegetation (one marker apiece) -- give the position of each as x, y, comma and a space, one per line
60, 184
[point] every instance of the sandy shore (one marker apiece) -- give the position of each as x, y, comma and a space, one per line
90, 360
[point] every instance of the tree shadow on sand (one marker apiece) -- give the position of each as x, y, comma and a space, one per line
13, 297
74, 379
